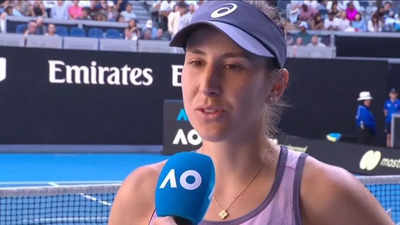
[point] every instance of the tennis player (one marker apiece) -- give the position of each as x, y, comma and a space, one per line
232, 82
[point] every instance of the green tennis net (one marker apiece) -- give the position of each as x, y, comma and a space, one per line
91, 204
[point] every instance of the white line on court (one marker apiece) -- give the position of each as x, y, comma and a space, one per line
89, 197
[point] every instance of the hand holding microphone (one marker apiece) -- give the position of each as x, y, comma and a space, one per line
184, 189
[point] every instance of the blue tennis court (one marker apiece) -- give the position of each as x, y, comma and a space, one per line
45, 168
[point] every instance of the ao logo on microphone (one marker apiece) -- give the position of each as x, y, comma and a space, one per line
189, 180
3, 63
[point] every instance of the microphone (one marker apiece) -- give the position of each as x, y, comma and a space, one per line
185, 188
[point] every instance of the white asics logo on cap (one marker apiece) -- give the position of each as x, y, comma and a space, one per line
2, 68
223, 11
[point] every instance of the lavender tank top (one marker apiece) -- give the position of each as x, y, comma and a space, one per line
282, 204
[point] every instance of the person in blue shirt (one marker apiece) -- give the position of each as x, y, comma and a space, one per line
365, 120
392, 105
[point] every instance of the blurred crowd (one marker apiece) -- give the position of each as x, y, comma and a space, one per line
345, 16
168, 16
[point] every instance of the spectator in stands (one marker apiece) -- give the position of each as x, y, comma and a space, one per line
75, 11
166, 7
23, 7
149, 32
306, 13
132, 32
315, 42
51, 30
359, 24
128, 14
93, 9
392, 106
387, 7
365, 120
59, 11
317, 23
174, 17
3, 24
86, 14
31, 29
334, 8
374, 24
112, 13
101, 17
389, 22
120, 19
305, 36
185, 15
351, 11
9, 10
40, 27
343, 22
38, 9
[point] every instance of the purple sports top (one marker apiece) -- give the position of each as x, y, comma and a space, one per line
282, 204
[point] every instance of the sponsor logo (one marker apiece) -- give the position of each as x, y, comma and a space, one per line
3, 69
177, 75
192, 137
183, 180
370, 160
61, 73
223, 11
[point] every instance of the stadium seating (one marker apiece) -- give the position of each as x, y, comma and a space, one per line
62, 30
21, 28
113, 34
95, 33
77, 32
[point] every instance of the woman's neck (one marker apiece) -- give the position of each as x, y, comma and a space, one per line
239, 159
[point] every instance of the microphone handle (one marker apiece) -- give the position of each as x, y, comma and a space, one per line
182, 221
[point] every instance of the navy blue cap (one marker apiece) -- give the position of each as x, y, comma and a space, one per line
393, 90
246, 25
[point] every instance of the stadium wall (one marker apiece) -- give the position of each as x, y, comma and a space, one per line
117, 98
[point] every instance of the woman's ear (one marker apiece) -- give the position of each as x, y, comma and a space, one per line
280, 84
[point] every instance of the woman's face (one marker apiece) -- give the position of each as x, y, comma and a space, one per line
132, 23
358, 17
224, 87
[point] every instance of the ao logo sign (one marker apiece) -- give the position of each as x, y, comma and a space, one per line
192, 136
3, 63
183, 180
370, 160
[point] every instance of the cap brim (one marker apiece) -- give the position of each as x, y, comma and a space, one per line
363, 99
241, 38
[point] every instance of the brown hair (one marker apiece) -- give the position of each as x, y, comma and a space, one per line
273, 109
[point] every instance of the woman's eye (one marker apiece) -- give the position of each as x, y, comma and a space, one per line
234, 67
196, 63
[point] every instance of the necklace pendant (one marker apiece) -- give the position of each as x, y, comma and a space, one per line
223, 214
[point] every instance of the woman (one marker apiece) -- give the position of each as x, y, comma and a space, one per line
317, 23
375, 24
232, 84
132, 30
359, 24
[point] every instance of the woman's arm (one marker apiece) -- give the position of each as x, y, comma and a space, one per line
134, 203
332, 196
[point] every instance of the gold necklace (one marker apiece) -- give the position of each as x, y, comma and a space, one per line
224, 213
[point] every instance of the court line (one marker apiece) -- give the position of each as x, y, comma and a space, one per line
88, 197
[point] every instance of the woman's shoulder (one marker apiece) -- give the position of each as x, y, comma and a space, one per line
135, 198
330, 193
